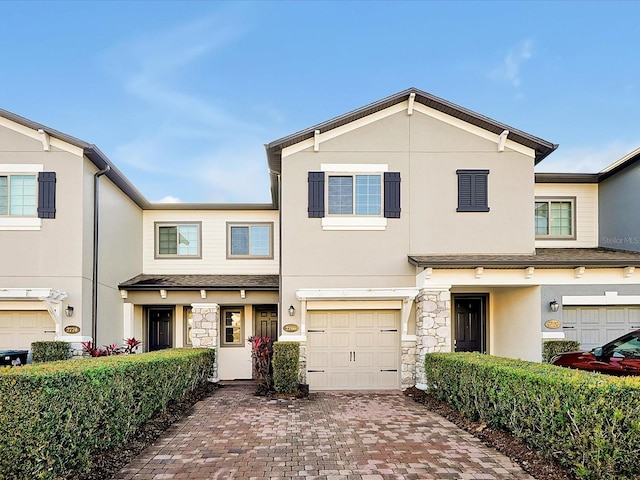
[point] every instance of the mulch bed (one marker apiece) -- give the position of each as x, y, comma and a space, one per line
531, 461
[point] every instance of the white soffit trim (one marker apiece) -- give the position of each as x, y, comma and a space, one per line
354, 167
609, 298
401, 293
32, 294
467, 127
35, 135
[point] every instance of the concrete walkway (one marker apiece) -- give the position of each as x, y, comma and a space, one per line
330, 436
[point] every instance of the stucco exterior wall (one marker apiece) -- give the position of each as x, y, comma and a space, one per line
619, 219
515, 323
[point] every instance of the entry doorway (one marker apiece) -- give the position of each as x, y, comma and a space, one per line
470, 323
266, 322
160, 322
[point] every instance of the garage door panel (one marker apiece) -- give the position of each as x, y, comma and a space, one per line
360, 344
590, 316
634, 317
597, 325
19, 329
615, 316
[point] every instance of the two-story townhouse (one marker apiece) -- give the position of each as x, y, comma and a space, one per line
413, 225
70, 231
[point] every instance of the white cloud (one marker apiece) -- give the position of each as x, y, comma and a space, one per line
509, 70
170, 199
588, 159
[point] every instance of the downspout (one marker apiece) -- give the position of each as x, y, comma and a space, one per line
94, 282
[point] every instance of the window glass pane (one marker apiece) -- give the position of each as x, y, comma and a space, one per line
259, 244
22, 192
167, 240
542, 218
560, 213
188, 325
187, 240
233, 327
368, 194
239, 240
340, 195
4, 198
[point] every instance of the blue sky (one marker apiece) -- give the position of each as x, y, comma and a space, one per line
182, 96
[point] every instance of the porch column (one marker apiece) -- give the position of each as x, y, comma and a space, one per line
433, 325
204, 332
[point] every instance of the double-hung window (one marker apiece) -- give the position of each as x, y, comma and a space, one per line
554, 218
18, 195
178, 240
354, 196
232, 326
250, 240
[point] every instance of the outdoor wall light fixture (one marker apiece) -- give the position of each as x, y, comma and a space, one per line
292, 310
554, 306
68, 311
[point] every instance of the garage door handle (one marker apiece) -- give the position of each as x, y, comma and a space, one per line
49, 331
315, 371
389, 370
315, 331
392, 330
568, 327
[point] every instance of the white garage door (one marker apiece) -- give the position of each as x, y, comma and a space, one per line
18, 329
353, 350
595, 326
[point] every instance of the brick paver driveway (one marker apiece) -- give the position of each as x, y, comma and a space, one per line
332, 436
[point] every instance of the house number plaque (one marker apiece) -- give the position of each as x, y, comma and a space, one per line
71, 329
552, 324
290, 328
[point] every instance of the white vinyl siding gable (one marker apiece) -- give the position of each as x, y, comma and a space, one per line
213, 248
584, 212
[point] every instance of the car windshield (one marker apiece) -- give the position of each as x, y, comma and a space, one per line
627, 346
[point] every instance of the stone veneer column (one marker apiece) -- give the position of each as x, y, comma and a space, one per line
204, 332
408, 368
433, 325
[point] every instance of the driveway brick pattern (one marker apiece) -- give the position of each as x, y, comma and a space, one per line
330, 436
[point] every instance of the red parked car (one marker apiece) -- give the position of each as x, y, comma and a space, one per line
618, 357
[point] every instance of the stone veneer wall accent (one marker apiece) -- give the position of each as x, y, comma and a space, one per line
204, 332
408, 367
433, 326
303, 363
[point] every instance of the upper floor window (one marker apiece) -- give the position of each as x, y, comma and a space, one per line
250, 240
554, 218
473, 191
178, 240
18, 195
355, 194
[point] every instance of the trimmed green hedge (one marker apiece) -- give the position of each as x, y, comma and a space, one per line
50, 351
286, 366
587, 422
55, 416
553, 347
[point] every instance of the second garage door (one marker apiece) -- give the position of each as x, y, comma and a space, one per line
353, 350
595, 326
18, 329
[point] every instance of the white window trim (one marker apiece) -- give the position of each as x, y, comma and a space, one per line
355, 222
21, 223
18, 168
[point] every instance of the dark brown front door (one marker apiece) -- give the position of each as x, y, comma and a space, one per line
267, 321
470, 324
160, 322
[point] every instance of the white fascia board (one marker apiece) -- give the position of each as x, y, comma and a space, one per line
467, 127
402, 293
609, 298
349, 127
35, 135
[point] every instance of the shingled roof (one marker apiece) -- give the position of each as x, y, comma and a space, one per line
201, 282
543, 258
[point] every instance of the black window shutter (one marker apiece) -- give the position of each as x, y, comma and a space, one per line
316, 195
47, 195
473, 192
392, 194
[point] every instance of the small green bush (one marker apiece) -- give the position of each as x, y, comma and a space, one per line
54, 417
286, 366
553, 347
50, 351
588, 422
